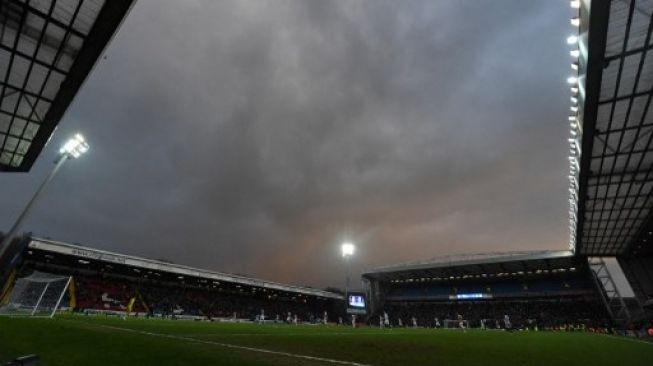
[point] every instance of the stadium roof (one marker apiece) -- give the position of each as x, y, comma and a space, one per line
616, 166
43, 67
501, 264
86, 253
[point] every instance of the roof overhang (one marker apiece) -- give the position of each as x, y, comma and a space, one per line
616, 166
47, 50
87, 253
477, 265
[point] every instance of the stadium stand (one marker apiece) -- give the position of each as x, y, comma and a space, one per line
548, 290
610, 181
112, 283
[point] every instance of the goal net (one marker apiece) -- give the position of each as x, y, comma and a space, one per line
39, 294
455, 324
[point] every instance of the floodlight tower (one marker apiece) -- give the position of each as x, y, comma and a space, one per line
347, 250
72, 149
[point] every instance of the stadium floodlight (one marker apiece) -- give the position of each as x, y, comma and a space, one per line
572, 80
575, 21
574, 89
575, 4
574, 108
347, 249
75, 147
72, 149
572, 40
574, 53
574, 100
574, 66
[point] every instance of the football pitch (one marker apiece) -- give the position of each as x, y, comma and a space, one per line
81, 340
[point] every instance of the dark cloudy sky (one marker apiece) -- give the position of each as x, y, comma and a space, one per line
254, 136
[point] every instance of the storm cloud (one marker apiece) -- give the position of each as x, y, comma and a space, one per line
254, 136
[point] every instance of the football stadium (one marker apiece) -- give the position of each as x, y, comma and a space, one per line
586, 301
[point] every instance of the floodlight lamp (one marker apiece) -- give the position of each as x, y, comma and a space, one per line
74, 147
347, 249
575, 21
575, 4
572, 40
572, 80
574, 53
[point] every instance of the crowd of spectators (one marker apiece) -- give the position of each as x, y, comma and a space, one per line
174, 300
531, 313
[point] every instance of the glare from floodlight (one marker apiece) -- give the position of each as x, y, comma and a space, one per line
572, 40
575, 21
572, 80
574, 53
74, 147
347, 249
575, 4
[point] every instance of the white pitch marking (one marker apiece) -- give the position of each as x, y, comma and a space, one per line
288, 334
624, 338
227, 345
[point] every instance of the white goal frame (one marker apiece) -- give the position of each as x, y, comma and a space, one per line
15, 306
454, 324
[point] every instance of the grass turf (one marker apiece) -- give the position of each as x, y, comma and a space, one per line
80, 340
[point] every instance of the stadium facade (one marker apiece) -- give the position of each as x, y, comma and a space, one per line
611, 184
116, 283
477, 286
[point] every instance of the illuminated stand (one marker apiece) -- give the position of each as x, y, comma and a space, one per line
454, 323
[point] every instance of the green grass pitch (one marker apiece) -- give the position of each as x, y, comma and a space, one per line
81, 340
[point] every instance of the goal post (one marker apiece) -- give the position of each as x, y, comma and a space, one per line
455, 324
39, 294
63, 292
